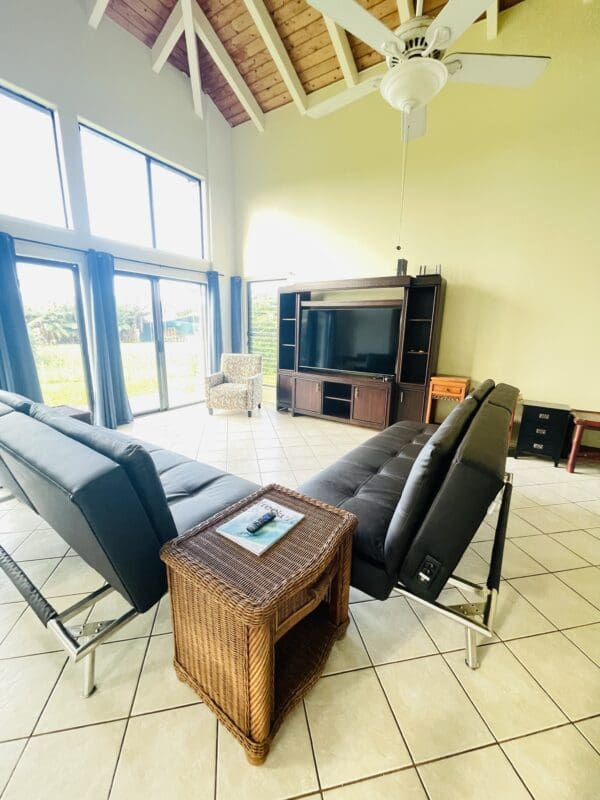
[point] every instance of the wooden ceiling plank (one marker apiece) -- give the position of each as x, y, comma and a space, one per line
325, 101
191, 45
491, 20
167, 38
223, 60
268, 31
343, 51
96, 12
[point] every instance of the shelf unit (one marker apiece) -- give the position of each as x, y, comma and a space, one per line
349, 397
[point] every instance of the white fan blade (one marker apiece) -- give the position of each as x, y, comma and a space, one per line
456, 16
496, 70
351, 16
414, 124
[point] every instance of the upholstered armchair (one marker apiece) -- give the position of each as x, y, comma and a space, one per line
238, 386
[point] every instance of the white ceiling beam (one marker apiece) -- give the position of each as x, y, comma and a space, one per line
491, 20
191, 44
266, 27
97, 9
167, 38
326, 101
343, 51
406, 10
228, 69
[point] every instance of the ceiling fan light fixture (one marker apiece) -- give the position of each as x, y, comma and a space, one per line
412, 84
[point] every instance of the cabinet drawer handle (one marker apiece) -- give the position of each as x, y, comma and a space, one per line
356, 391
541, 431
401, 397
537, 446
543, 416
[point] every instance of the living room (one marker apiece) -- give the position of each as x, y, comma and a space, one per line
168, 227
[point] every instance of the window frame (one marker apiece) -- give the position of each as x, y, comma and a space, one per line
60, 161
79, 315
149, 159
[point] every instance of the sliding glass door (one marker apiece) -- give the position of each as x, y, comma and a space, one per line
163, 340
137, 333
183, 324
53, 312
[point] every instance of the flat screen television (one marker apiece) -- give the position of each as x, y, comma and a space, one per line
363, 340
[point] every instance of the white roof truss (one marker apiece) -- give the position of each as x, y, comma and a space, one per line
228, 69
167, 38
491, 20
266, 27
96, 11
343, 51
191, 44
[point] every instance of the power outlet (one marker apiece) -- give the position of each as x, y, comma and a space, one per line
428, 569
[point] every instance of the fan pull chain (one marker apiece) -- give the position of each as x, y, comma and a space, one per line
402, 191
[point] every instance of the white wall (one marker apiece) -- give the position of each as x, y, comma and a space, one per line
104, 76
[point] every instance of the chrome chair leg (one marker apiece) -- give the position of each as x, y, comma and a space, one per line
89, 674
471, 655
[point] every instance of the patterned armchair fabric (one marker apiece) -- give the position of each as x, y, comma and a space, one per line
238, 386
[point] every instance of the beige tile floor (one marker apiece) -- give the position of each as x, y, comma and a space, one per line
397, 713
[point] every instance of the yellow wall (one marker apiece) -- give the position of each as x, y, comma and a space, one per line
504, 192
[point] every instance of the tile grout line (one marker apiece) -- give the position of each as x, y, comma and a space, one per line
133, 696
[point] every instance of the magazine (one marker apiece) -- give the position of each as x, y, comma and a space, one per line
268, 535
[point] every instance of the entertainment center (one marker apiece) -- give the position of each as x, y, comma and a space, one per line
359, 351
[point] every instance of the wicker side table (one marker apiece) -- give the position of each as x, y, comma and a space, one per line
252, 633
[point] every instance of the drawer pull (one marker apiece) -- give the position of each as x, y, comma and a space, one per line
543, 416
541, 431
537, 446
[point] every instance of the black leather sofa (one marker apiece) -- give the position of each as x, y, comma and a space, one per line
420, 492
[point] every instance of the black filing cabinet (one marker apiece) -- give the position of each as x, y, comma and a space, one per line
543, 429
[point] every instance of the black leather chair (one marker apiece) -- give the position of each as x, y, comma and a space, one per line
420, 493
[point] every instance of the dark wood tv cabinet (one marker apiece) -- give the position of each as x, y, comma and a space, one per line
354, 398
344, 398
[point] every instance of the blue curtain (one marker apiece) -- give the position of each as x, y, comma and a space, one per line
111, 405
236, 315
214, 320
18, 372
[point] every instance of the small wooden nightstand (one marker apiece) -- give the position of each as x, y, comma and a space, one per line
446, 387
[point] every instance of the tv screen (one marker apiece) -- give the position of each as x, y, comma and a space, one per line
350, 339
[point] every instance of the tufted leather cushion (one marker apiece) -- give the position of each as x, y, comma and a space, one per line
196, 491
482, 391
424, 481
15, 401
128, 453
369, 480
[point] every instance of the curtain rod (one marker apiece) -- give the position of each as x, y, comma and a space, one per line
120, 258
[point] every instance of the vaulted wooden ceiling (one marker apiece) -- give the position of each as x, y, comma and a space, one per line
305, 36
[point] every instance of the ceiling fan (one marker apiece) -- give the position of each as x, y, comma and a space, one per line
416, 55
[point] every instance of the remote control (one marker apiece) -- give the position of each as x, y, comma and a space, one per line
258, 523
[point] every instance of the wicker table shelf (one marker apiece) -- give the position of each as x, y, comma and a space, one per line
252, 633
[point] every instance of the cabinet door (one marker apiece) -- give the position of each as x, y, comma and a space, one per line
370, 404
308, 395
284, 390
409, 405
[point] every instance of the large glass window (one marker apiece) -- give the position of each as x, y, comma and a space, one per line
262, 325
31, 183
52, 304
134, 198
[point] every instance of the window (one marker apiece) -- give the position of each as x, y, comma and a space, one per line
134, 198
31, 183
262, 325
52, 303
